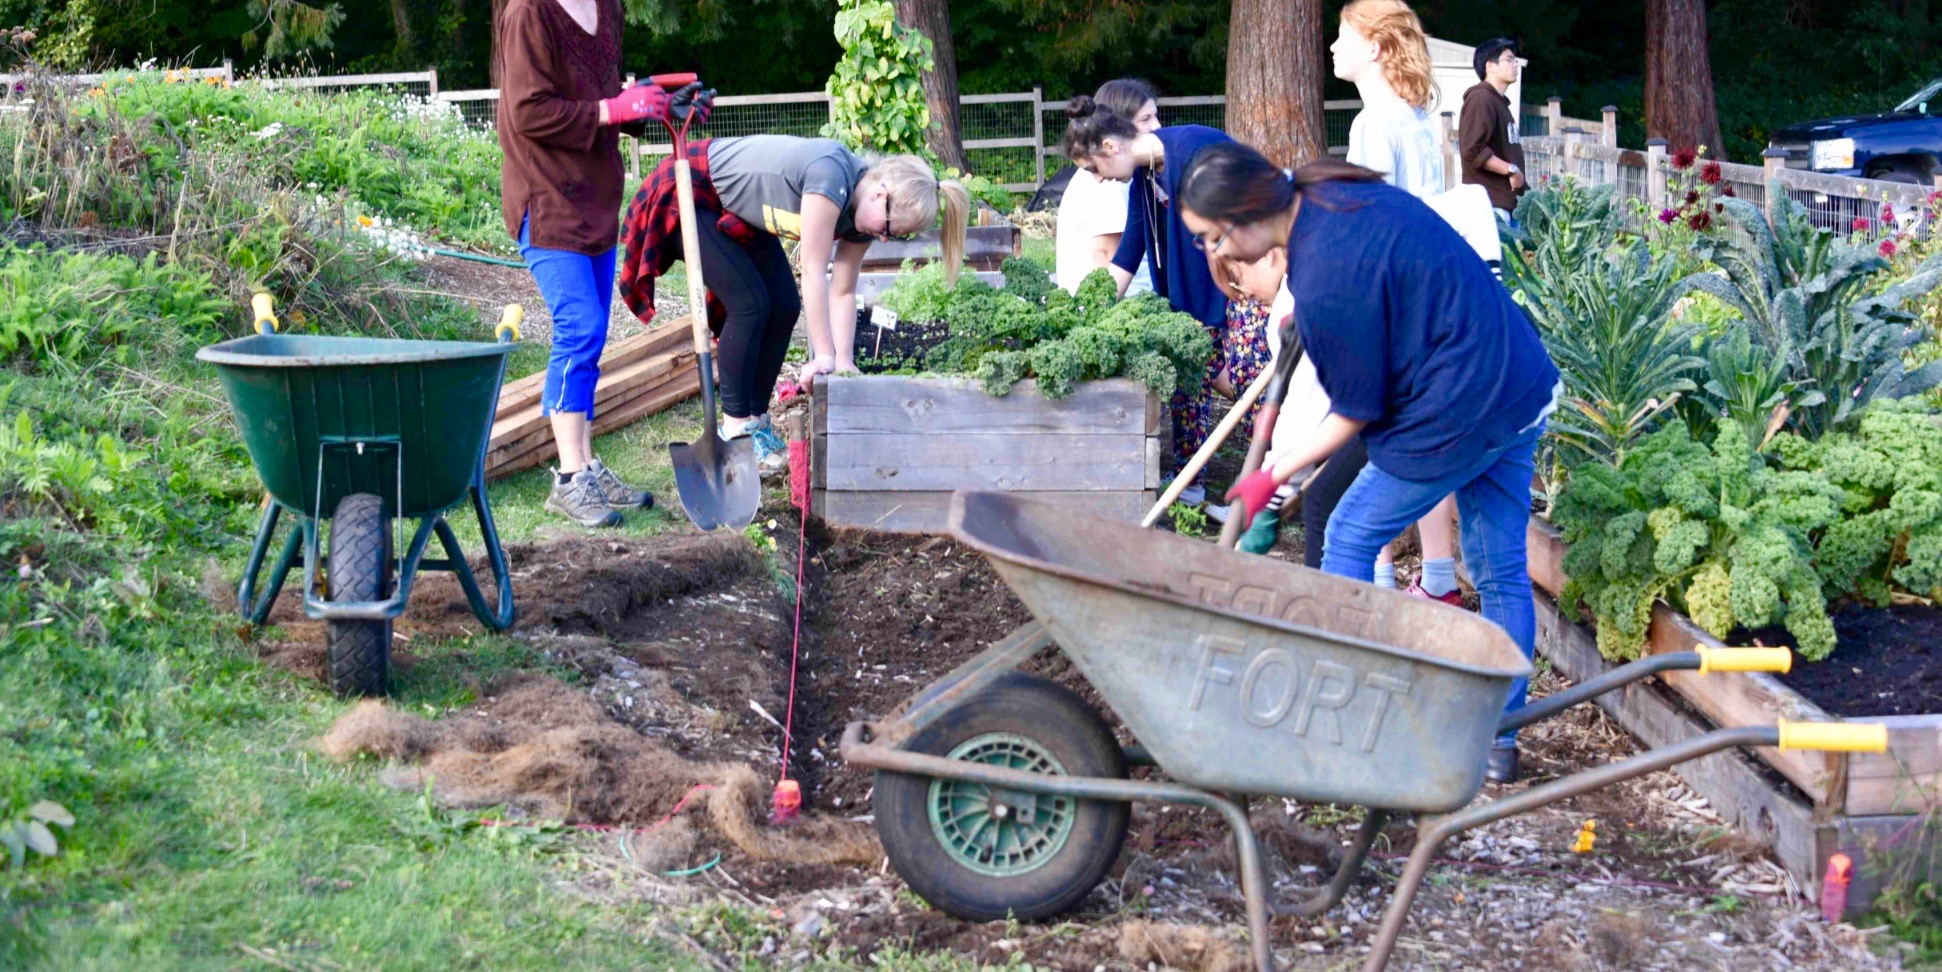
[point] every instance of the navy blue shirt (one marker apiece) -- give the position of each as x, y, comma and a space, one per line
1410, 332
1155, 231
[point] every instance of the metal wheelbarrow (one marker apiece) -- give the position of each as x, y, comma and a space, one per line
358, 432
1003, 795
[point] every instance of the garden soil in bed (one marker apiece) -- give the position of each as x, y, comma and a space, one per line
654, 648
1884, 661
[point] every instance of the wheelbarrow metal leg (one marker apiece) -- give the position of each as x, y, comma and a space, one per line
876, 755
498, 620
1322, 899
1433, 831
257, 609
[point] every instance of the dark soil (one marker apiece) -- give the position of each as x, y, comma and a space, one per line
1883, 663
880, 350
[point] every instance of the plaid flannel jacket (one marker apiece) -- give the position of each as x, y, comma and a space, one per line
651, 233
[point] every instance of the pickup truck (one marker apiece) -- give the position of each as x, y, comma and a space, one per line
1903, 145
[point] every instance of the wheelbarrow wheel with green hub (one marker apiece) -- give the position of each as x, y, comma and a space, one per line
359, 570
983, 854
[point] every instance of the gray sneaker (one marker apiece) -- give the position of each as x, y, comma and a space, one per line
579, 499
619, 495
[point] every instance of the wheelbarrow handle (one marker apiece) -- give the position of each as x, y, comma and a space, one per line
1704, 659
508, 330
264, 307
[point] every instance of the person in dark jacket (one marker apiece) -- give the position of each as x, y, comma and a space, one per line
1423, 355
1487, 132
560, 105
1110, 146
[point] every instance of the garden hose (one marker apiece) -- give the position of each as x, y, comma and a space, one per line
476, 257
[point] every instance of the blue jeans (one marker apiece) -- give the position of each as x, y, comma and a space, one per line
1493, 495
579, 292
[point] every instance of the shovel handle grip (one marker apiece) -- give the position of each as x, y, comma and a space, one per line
673, 81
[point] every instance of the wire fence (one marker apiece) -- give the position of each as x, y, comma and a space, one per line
1836, 203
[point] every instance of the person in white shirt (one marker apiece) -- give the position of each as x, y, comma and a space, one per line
1092, 213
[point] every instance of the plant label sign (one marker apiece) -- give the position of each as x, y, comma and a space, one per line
883, 317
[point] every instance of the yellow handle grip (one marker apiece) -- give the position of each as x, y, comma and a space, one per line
509, 323
265, 307
1745, 659
1834, 737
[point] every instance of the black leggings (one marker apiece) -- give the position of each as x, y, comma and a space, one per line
1319, 499
757, 287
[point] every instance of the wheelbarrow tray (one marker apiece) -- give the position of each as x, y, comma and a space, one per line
1244, 674
305, 403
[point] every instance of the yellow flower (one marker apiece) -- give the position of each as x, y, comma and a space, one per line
212, 79
295, 316
97, 91
364, 221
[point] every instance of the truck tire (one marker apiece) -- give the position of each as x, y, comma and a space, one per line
958, 851
359, 652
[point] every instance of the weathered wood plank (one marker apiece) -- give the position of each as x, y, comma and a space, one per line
672, 336
895, 404
1907, 778
904, 463
672, 391
926, 512
516, 433
1738, 790
1888, 851
1153, 451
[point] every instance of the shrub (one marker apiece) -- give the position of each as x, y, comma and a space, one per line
876, 91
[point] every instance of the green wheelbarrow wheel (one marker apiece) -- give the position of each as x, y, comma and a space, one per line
985, 854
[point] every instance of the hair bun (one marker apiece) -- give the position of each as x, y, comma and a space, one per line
1081, 106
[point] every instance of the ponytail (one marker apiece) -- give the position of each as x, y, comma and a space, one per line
955, 201
1232, 183
1090, 124
913, 186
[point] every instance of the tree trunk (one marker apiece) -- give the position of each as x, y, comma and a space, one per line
401, 24
493, 66
1679, 77
1274, 78
932, 18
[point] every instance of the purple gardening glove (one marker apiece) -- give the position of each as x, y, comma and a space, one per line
692, 99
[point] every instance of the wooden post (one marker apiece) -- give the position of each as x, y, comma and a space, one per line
229, 71
1554, 116
432, 93
1655, 173
1609, 132
1038, 135
1452, 175
1574, 137
1774, 162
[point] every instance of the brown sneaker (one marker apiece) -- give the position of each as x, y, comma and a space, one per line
619, 495
579, 499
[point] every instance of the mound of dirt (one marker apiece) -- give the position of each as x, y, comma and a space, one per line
550, 751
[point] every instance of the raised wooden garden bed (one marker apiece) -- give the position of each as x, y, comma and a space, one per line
889, 450
1806, 805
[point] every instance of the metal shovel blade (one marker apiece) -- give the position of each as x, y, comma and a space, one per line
718, 481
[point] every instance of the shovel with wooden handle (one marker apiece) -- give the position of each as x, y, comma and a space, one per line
717, 478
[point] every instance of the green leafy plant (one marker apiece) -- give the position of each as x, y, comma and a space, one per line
1748, 383
1889, 472
1608, 324
1842, 323
33, 830
1716, 530
1188, 521
876, 91
1563, 228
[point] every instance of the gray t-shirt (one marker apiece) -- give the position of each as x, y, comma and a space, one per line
762, 179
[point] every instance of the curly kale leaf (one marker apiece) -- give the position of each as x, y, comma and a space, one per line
1000, 370
1058, 366
1708, 599
1026, 280
1097, 294
1152, 369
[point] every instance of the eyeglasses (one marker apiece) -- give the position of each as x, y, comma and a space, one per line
1201, 244
899, 237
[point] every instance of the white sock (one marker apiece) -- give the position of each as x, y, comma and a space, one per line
1386, 575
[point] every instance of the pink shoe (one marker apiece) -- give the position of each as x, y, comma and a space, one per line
1453, 598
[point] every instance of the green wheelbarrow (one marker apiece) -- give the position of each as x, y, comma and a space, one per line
1003, 795
360, 432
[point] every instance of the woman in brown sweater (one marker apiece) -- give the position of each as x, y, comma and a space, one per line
560, 107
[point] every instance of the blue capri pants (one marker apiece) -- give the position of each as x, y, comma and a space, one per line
579, 292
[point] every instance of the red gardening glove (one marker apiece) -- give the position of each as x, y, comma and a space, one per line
1253, 493
638, 102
